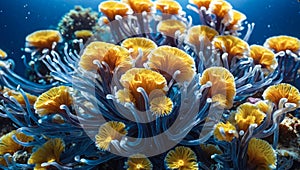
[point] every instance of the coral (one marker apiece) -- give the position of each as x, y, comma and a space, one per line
77, 19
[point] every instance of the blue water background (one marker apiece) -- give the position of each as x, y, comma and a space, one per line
18, 18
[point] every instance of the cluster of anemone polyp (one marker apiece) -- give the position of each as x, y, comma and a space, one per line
152, 91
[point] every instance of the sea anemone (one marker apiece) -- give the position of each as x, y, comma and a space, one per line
49, 152
266, 159
43, 39
222, 84
18, 96
236, 22
9, 145
77, 19
264, 57
168, 7
248, 114
170, 26
112, 8
50, 101
201, 3
112, 55
225, 131
181, 158
287, 53
137, 78
108, 132
232, 46
139, 6
280, 91
3, 54
172, 63
139, 49
138, 162
221, 9
201, 36
283, 43
161, 106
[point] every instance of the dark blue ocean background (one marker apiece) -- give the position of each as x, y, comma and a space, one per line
19, 18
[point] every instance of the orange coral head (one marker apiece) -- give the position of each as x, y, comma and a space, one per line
200, 31
147, 79
167, 60
283, 43
112, 8
261, 155
48, 152
50, 101
223, 85
139, 6
170, 26
225, 132
248, 114
276, 92
221, 9
201, 3
136, 44
237, 19
263, 56
234, 46
3, 54
113, 55
43, 39
168, 7
181, 158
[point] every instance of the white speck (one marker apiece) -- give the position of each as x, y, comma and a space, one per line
28, 12
25, 5
269, 6
1, 10
269, 26
26, 17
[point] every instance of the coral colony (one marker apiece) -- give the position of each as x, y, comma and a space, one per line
141, 87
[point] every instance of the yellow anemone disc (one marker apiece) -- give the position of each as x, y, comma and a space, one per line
43, 39
167, 60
